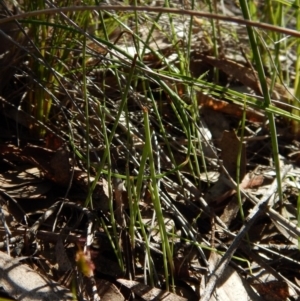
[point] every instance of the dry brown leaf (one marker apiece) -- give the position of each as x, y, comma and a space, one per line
252, 181
155, 233
64, 263
219, 191
237, 71
24, 182
229, 145
210, 102
273, 290
108, 291
148, 293
55, 166
230, 287
245, 75
61, 167
230, 148
232, 208
21, 176
23, 283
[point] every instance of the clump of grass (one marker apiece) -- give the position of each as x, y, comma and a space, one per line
295, 101
276, 48
53, 57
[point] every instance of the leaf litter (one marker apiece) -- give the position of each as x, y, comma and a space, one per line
45, 186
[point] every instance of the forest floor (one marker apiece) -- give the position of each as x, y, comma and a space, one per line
146, 172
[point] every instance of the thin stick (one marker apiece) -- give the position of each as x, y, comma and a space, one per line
51, 11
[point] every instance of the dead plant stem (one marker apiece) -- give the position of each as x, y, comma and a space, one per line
50, 11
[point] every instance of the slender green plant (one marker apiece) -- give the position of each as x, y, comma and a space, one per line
265, 90
294, 124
